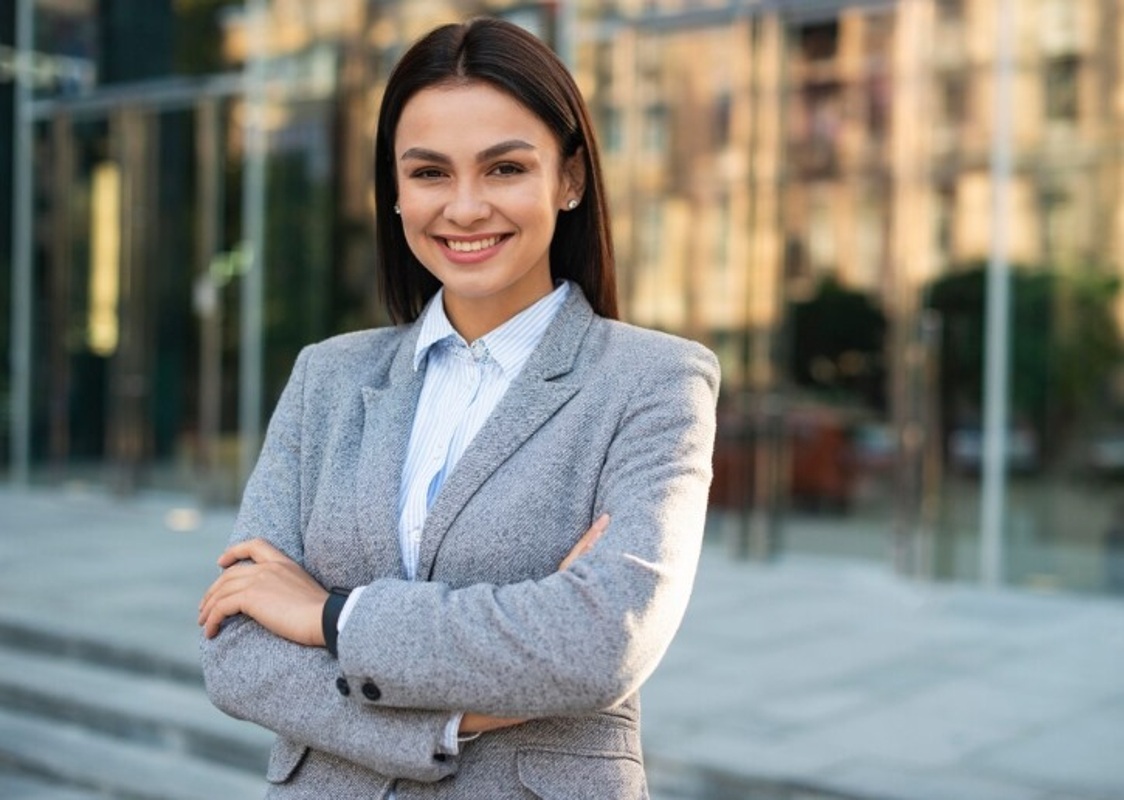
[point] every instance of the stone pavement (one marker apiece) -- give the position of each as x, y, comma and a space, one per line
795, 680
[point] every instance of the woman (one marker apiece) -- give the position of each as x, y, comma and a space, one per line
504, 494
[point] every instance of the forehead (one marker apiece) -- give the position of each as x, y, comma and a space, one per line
468, 118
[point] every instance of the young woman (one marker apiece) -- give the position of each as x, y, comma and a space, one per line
470, 538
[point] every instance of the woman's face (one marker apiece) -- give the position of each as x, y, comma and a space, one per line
480, 183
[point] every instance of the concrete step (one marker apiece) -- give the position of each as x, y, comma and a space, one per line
82, 718
118, 768
20, 786
75, 645
156, 711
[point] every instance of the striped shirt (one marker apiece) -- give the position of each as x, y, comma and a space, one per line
463, 385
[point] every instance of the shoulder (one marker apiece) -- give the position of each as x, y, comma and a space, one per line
631, 349
360, 356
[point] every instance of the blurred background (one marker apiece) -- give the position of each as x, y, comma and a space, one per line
899, 224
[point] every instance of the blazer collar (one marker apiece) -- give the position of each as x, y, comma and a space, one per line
532, 399
535, 396
388, 417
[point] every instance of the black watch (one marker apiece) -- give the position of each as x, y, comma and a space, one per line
330, 617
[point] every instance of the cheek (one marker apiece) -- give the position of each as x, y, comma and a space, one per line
416, 239
414, 213
537, 202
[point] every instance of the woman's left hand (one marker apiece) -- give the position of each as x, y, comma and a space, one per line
260, 581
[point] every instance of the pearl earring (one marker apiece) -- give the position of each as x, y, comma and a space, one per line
397, 209
572, 205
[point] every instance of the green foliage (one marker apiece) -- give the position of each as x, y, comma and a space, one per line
1064, 340
198, 49
837, 340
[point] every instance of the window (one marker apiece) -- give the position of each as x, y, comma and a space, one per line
819, 42
953, 97
818, 121
655, 128
950, 12
1061, 88
612, 133
721, 120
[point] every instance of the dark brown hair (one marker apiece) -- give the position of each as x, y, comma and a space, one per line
514, 61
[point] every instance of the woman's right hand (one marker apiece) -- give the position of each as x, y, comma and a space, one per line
482, 723
589, 538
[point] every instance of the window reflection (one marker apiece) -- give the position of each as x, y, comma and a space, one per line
804, 187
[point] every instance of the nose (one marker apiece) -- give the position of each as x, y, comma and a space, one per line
467, 205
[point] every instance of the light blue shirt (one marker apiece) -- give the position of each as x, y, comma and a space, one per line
463, 385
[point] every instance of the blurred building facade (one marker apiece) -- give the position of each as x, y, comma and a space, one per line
805, 186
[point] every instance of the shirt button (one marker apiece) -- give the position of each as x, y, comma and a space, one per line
371, 692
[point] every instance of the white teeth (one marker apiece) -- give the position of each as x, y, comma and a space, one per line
473, 246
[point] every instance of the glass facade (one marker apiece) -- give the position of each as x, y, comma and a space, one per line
809, 188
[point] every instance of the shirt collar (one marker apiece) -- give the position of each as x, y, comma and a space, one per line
509, 345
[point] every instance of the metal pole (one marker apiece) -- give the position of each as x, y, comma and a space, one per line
22, 274
997, 320
209, 305
253, 238
567, 28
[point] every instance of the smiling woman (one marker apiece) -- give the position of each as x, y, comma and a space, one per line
470, 538
478, 203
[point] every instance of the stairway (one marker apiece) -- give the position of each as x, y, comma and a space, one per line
80, 720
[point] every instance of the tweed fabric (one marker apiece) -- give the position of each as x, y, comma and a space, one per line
604, 417
463, 383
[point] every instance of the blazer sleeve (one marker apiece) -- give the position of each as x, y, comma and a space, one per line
254, 675
585, 638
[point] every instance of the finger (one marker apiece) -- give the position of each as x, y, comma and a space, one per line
256, 550
211, 618
211, 590
229, 583
251, 549
227, 596
586, 541
212, 624
220, 584
599, 526
590, 537
218, 590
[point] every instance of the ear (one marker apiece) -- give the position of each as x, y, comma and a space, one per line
573, 178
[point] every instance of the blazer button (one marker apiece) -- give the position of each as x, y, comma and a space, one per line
371, 692
342, 686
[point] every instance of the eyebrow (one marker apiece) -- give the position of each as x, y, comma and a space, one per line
487, 154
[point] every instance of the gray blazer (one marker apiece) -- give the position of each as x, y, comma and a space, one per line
605, 417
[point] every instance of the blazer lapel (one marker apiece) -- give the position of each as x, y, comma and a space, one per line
534, 397
389, 416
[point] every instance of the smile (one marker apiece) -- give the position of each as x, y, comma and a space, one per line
473, 246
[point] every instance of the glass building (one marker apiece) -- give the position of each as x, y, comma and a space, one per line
899, 224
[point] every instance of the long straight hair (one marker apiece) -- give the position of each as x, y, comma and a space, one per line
514, 61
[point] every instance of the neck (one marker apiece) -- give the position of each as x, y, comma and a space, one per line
478, 317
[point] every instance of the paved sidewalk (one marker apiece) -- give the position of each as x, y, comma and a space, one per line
810, 676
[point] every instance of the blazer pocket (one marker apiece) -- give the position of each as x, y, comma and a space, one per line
559, 775
284, 758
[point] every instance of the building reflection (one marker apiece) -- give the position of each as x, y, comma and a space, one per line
805, 186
